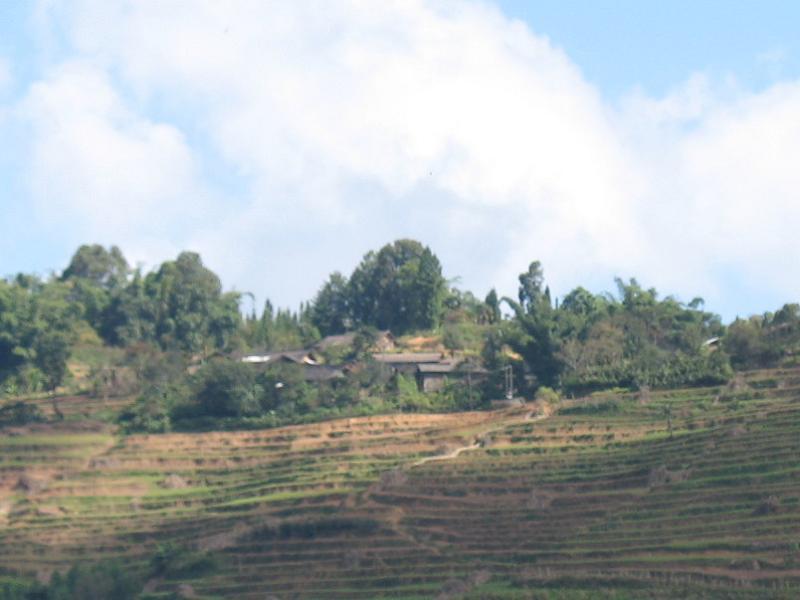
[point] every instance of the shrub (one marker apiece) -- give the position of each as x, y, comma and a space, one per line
225, 388
106, 579
20, 413
408, 396
150, 414
548, 395
175, 561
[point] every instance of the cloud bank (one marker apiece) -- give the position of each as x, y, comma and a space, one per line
284, 140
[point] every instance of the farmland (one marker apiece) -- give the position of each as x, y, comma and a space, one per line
691, 492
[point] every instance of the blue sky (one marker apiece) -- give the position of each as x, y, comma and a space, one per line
649, 139
620, 44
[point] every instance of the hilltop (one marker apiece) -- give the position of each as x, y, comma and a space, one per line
156, 442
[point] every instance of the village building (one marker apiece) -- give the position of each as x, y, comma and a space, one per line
407, 362
432, 377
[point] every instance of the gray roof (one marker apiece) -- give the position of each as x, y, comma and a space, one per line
443, 367
451, 366
300, 357
344, 339
407, 358
321, 373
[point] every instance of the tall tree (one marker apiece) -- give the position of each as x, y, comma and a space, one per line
330, 310
105, 268
94, 274
534, 334
400, 287
37, 324
181, 307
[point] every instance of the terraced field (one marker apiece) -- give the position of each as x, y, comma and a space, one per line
687, 493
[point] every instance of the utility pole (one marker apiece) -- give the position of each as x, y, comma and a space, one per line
509, 380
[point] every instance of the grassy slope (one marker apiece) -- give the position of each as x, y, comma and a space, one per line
596, 499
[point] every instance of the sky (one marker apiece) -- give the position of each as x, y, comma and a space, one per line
283, 141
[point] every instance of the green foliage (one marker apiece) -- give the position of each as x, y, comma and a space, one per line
400, 288
330, 312
180, 307
285, 391
408, 397
549, 395
764, 341
281, 330
453, 338
458, 395
107, 579
37, 324
19, 413
112, 579
594, 342
534, 334
178, 314
16, 589
106, 269
174, 561
227, 388
605, 407
151, 413
492, 311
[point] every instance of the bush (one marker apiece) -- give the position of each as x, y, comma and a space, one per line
225, 388
20, 413
548, 395
174, 561
609, 407
107, 579
408, 396
150, 414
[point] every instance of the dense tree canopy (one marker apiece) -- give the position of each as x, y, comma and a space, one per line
594, 341
400, 288
105, 268
37, 322
180, 313
331, 306
180, 306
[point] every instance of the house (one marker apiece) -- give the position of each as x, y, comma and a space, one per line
432, 370
406, 362
383, 342
299, 357
320, 373
432, 377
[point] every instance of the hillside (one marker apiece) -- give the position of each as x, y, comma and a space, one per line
691, 493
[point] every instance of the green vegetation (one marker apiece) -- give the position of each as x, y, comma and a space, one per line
686, 492
643, 466
157, 351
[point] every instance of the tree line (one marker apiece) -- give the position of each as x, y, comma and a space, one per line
582, 342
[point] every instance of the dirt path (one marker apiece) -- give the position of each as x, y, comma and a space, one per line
448, 456
537, 414
396, 514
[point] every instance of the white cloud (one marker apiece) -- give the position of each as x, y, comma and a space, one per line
101, 170
349, 124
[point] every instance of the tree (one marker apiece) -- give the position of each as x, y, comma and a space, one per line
228, 389
330, 310
400, 287
107, 269
181, 307
531, 294
37, 322
534, 334
492, 303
